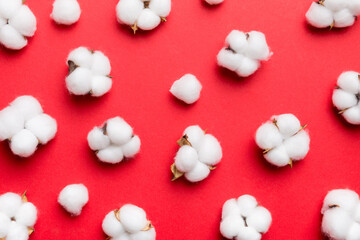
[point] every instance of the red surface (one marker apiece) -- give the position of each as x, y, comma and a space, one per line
299, 79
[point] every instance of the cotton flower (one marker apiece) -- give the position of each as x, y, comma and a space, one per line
244, 52
17, 217
25, 126
244, 219
333, 13
66, 12
341, 215
187, 89
88, 72
143, 14
73, 198
114, 141
214, 2
17, 22
283, 140
198, 154
128, 222
346, 96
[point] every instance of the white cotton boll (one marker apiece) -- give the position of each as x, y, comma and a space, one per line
26, 215
79, 81
10, 204
194, 135
298, 145
4, 225
344, 198
349, 81
128, 11
319, 16
144, 235
17, 232
344, 18
148, 20
66, 12
342, 99
119, 131
97, 139
73, 198
111, 154
100, 64
230, 226
336, 223
133, 218
288, 124
24, 143
354, 232
81, 56
237, 41
160, 7
28, 106
100, 85
352, 115
186, 159
24, 21
257, 47
260, 219
111, 226
268, 136
248, 233
131, 148
229, 59
278, 156
11, 38
43, 127
187, 88
210, 151
9, 7
230, 207
214, 2
198, 173
247, 67
336, 5
11, 122
247, 204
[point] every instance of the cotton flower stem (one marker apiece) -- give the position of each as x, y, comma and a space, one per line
177, 174
184, 141
31, 230
212, 168
291, 163
332, 25
72, 66
134, 27
321, 2
148, 227
23, 197
163, 19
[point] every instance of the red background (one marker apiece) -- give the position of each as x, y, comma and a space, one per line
299, 79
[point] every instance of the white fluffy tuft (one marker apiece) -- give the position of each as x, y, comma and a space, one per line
66, 12
187, 89
73, 198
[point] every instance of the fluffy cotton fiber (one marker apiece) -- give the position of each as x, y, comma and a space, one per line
17, 217
283, 140
333, 13
341, 215
187, 89
25, 125
88, 72
244, 52
114, 141
73, 198
198, 154
66, 12
130, 223
244, 219
143, 14
16, 23
214, 2
346, 96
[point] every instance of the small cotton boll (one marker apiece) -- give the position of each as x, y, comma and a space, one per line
73, 198
26, 215
195, 135
344, 18
100, 64
336, 223
230, 207
342, 99
9, 7
144, 235
187, 88
288, 124
228, 59
186, 159
17, 232
10, 204
298, 145
128, 11
230, 226
214, 2
160, 7
344, 198
119, 131
257, 47
247, 204
24, 143
349, 81
79, 81
198, 173
237, 41
111, 154
11, 122
66, 12
247, 67
4, 225
278, 156
354, 232
210, 151
133, 218
43, 127
28, 106
260, 219
148, 20
268, 136
248, 233
111, 226
352, 115
81, 56
11, 38
24, 21
100, 85
131, 148
97, 139
319, 16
